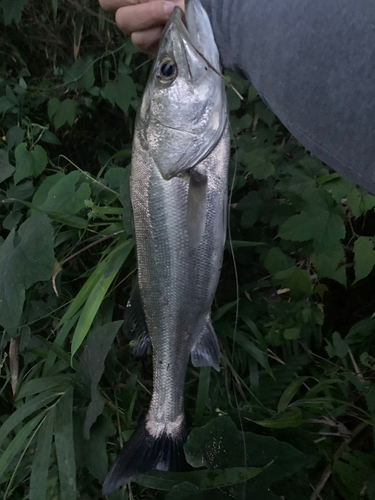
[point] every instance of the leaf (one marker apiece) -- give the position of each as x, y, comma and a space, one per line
39, 469
252, 349
5, 103
360, 203
6, 169
22, 266
29, 163
24, 411
12, 9
91, 368
80, 74
329, 264
120, 92
257, 163
63, 431
219, 444
67, 195
203, 479
61, 112
98, 292
185, 491
15, 445
339, 348
297, 280
42, 384
289, 393
47, 184
276, 261
250, 204
314, 223
59, 341
264, 113
289, 418
15, 136
364, 257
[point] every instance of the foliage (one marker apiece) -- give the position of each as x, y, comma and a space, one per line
292, 411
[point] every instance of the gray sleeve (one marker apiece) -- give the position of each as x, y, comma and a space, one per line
313, 64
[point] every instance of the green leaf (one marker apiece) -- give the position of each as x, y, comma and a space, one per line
339, 348
80, 74
292, 333
12, 9
29, 163
297, 280
15, 136
30, 261
289, 393
203, 479
64, 444
15, 445
120, 92
39, 469
264, 113
59, 341
5, 104
252, 349
276, 261
67, 195
47, 184
24, 411
6, 169
41, 384
360, 203
330, 264
185, 491
98, 292
257, 163
290, 418
219, 444
314, 223
364, 257
61, 112
91, 368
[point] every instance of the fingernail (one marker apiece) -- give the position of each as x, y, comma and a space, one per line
168, 7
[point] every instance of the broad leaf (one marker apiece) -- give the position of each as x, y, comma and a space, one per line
61, 112
29, 163
364, 257
6, 169
12, 9
23, 265
91, 368
331, 263
120, 92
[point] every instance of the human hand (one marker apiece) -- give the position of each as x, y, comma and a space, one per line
144, 20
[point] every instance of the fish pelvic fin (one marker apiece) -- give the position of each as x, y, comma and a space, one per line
206, 351
153, 445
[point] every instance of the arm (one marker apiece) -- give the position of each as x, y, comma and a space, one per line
313, 63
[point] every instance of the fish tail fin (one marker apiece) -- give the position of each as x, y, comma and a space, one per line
151, 446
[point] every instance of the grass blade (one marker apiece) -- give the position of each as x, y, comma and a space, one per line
39, 470
16, 444
63, 430
24, 411
59, 341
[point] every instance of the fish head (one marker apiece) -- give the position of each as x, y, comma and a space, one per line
183, 111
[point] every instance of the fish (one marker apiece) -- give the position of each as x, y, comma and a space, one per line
178, 189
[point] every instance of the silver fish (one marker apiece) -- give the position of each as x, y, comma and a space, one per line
179, 195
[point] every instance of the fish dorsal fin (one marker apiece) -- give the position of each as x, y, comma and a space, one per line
196, 206
135, 324
206, 351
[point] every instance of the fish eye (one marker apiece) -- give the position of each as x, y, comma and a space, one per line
167, 70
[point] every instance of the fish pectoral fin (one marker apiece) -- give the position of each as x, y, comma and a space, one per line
206, 351
135, 324
196, 206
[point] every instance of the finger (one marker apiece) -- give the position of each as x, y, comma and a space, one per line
147, 41
143, 16
113, 5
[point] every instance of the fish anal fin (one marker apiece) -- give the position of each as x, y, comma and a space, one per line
196, 206
206, 351
135, 324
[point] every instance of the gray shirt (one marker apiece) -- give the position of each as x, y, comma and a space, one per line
313, 64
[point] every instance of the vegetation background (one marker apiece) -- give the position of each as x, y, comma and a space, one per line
291, 413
